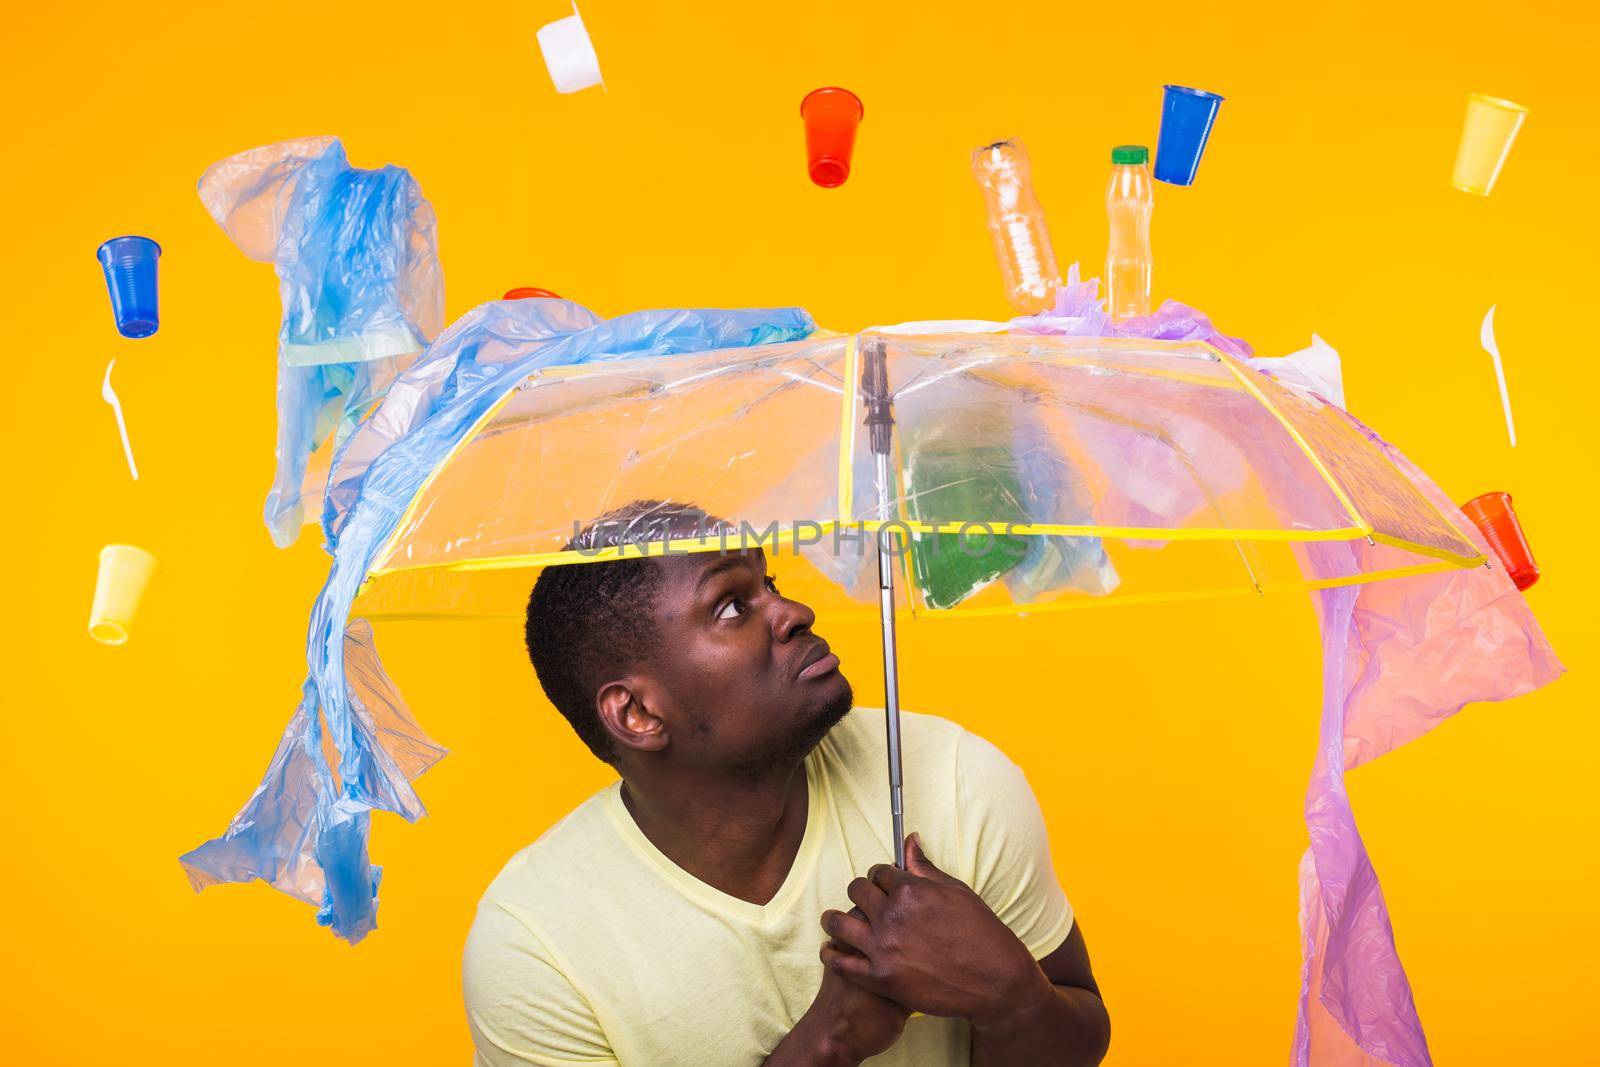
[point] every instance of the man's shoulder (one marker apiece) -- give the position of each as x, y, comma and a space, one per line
540, 870
935, 751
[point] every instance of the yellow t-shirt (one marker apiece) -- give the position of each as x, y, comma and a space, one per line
592, 947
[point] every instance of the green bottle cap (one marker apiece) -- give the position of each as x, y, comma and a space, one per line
1130, 154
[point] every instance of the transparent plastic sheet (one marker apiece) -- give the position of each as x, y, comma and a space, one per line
358, 272
305, 828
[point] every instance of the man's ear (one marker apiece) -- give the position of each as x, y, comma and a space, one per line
624, 710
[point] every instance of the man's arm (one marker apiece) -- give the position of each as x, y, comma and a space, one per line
521, 1006
926, 941
1062, 1021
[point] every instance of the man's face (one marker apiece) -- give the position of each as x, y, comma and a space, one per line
745, 682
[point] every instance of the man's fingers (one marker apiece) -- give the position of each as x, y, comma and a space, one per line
886, 875
867, 896
848, 929
851, 965
918, 863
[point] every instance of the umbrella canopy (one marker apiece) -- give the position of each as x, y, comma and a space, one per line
1026, 473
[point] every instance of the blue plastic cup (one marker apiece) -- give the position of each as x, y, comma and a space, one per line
130, 266
1186, 118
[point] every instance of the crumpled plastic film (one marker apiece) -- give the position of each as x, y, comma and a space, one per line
506, 331
278, 835
358, 272
305, 828
1078, 313
1399, 657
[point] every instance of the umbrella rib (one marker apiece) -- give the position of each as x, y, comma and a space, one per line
1310, 453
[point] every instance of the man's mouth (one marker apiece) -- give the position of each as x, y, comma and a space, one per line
817, 662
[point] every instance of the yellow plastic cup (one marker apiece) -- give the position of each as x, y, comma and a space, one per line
1486, 138
124, 574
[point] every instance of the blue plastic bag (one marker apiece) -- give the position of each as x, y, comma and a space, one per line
358, 272
304, 829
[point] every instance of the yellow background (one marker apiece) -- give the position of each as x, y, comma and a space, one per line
1169, 745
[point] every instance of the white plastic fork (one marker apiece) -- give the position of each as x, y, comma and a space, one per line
1486, 339
109, 395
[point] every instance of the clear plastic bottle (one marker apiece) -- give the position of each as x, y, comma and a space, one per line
1021, 238
1129, 202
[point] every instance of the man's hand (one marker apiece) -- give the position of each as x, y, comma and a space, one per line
844, 1025
925, 940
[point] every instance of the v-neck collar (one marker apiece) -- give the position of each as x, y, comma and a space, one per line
709, 896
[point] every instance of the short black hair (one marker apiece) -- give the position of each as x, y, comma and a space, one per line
586, 619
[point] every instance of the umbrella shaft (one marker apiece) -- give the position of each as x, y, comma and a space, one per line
891, 680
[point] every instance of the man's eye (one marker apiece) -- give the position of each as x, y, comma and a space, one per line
731, 610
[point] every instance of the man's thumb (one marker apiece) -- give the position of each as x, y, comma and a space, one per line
917, 861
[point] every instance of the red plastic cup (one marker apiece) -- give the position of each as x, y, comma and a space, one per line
1491, 513
831, 117
528, 292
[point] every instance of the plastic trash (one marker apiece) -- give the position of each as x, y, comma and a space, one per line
304, 831
832, 116
1316, 368
988, 457
124, 575
1051, 484
1187, 116
569, 54
1486, 339
1494, 517
358, 272
1078, 312
528, 292
1017, 222
109, 395
1487, 135
1129, 203
1399, 657
130, 268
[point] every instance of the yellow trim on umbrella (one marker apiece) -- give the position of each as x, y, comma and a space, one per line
1024, 609
738, 541
1388, 539
1119, 533
1456, 558
427, 483
782, 538
1193, 594
847, 428
1316, 460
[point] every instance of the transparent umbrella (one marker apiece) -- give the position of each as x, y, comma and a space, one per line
985, 473
939, 475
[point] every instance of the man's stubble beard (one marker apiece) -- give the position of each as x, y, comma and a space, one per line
795, 749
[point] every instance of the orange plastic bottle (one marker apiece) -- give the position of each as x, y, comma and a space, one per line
1021, 238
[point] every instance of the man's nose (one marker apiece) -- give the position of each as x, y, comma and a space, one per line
792, 619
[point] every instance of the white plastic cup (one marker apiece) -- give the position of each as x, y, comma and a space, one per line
124, 575
569, 54
1486, 139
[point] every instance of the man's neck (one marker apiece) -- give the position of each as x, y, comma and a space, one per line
738, 835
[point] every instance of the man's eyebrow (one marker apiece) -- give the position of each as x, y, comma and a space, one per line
726, 563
